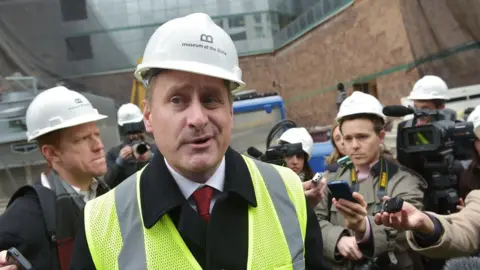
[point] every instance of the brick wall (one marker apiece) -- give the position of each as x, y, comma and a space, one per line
366, 38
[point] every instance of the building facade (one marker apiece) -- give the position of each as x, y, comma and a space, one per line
72, 38
299, 48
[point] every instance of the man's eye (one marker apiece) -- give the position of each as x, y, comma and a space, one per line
176, 100
211, 100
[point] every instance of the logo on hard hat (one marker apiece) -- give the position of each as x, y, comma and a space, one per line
206, 38
78, 100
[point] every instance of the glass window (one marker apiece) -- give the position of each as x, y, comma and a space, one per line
236, 21
78, 48
258, 18
259, 31
219, 22
73, 10
239, 36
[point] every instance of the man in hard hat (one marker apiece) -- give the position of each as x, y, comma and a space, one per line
134, 152
198, 204
428, 93
374, 176
41, 220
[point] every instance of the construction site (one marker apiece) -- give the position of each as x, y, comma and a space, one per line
299, 50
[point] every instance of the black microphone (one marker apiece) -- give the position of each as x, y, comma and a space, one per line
254, 152
397, 110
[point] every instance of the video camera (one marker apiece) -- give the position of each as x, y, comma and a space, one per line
438, 145
276, 153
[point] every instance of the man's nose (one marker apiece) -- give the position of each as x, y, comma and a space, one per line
355, 144
197, 117
97, 144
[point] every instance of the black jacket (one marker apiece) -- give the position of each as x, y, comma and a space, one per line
227, 230
22, 226
117, 173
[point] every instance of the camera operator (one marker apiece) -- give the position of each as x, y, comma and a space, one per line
371, 174
430, 93
134, 153
298, 161
446, 236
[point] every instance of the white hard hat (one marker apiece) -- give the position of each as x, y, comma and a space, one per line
360, 103
298, 135
129, 113
429, 87
195, 44
58, 108
474, 117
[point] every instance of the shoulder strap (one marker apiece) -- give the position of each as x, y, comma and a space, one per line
48, 204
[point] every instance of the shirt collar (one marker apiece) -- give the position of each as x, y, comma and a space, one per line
370, 166
44, 180
160, 193
188, 187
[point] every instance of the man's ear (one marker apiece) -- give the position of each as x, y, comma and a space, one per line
147, 116
50, 153
382, 136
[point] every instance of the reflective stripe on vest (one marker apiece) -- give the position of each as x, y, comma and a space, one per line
117, 238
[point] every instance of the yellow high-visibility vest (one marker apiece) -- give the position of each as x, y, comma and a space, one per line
117, 238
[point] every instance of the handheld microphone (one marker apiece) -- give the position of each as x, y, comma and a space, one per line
397, 111
254, 152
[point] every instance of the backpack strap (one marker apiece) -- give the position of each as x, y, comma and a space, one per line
48, 204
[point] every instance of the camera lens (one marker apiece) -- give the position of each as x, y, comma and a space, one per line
141, 148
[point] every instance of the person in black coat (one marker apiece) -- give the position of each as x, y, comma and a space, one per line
51, 209
134, 152
195, 179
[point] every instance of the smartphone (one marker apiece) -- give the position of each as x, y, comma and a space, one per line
341, 190
16, 258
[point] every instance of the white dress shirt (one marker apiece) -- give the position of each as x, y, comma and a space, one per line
188, 187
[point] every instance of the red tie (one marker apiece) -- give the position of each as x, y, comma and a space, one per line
203, 197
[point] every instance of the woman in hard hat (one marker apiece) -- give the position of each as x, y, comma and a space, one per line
298, 162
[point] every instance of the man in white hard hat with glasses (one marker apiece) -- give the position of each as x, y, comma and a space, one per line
198, 204
373, 175
41, 221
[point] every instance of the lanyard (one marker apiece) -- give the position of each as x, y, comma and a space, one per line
382, 190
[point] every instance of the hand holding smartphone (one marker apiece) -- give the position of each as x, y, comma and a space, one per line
14, 257
341, 190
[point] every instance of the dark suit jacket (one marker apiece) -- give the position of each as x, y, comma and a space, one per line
223, 244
